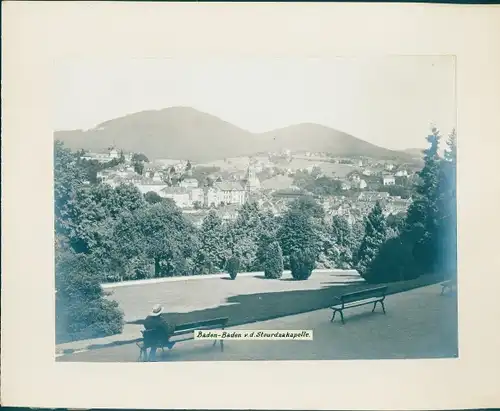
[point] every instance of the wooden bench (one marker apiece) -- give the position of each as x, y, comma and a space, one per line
185, 332
448, 285
358, 298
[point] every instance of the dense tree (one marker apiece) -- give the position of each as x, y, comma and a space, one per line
308, 206
126, 197
152, 197
298, 231
374, 238
82, 311
447, 262
233, 266
243, 235
139, 157
450, 153
68, 176
396, 221
273, 264
139, 167
427, 240
343, 247
213, 250
393, 262
203, 173
162, 234
317, 184
423, 219
93, 209
302, 263
268, 233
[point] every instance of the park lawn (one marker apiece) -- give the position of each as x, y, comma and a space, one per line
249, 308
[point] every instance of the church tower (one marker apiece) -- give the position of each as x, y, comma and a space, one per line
252, 182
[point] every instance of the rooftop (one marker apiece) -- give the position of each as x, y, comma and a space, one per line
229, 186
174, 190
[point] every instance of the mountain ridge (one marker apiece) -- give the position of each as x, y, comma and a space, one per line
183, 132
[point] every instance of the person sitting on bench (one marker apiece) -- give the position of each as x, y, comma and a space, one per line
157, 331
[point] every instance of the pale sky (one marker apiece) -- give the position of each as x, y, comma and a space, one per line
389, 101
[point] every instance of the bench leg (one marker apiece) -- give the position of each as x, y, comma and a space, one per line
383, 306
374, 306
215, 342
333, 316
222, 345
342, 316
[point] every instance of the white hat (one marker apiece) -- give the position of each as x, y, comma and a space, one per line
157, 310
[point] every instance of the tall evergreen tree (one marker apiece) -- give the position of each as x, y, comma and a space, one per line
450, 154
273, 264
423, 218
243, 235
267, 235
374, 238
212, 253
343, 239
298, 232
447, 262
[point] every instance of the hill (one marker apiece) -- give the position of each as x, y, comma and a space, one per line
186, 133
414, 152
318, 138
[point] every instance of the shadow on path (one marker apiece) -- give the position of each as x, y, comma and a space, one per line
249, 308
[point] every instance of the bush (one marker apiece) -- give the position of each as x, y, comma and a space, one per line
273, 264
152, 197
232, 267
302, 263
89, 319
394, 262
82, 310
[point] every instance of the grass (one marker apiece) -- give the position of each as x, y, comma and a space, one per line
249, 308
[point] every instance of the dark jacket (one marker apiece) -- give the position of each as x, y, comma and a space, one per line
156, 330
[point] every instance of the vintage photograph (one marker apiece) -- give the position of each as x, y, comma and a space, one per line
280, 197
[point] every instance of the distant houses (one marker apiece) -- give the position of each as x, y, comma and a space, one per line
187, 192
227, 188
110, 154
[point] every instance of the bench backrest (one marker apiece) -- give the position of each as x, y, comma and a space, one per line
361, 295
197, 325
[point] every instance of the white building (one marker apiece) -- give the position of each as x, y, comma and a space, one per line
230, 192
211, 197
388, 180
147, 186
180, 195
197, 195
189, 183
113, 153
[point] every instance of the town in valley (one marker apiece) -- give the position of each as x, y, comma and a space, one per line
347, 187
